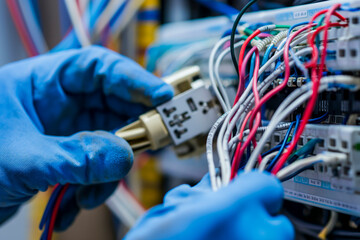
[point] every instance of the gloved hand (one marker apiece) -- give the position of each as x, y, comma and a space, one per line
46, 104
245, 209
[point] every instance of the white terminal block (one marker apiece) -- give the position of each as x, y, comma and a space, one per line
335, 138
333, 185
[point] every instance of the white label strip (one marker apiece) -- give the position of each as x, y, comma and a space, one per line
322, 201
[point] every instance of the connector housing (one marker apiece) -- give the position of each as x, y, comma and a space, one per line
189, 114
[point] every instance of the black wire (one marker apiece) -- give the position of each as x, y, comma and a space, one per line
301, 225
233, 31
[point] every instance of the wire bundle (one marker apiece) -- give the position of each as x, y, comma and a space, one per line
285, 49
28, 26
49, 217
93, 22
239, 135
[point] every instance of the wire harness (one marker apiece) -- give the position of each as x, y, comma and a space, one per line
238, 136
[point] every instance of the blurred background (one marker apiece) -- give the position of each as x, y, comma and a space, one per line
155, 33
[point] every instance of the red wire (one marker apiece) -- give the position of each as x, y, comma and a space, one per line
237, 152
315, 53
258, 104
316, 76
55, 210
21, 28
311, 38
239, 148
241, 56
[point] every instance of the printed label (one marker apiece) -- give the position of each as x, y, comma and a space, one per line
322, 201
300, 14
314, 182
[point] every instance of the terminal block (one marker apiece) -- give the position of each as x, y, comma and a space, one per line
335, 186
183, 121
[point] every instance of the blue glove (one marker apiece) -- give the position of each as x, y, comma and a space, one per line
246, 209
47, 103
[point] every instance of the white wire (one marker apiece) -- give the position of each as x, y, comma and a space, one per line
280, 127
266, 159
124, 206
216, 83
33, 27
298, 165
238, 109
218, 61
278, 117
77, 23
294, 100
131, 8
209, 152
105, 17
328, 158
83, 5
223, 150
265, 83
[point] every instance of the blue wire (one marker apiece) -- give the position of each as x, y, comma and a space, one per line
265, 59
248, 152
272, 163
284, 144
243, 163
219, 7
347, 7
277, 147
319, 119
45, 220
252, 66
49, 206
298, 118
296, 59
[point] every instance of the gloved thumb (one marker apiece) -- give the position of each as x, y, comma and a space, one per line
88, 158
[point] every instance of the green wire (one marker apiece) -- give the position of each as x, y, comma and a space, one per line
282, 26
307, 149
318, 37
249, 31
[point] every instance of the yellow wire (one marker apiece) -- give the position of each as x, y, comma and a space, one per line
329, 226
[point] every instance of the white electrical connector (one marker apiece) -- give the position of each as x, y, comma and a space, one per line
181, 121
326, 157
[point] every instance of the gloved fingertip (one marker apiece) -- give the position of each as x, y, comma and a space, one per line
92, 196
93, 157
162, 94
